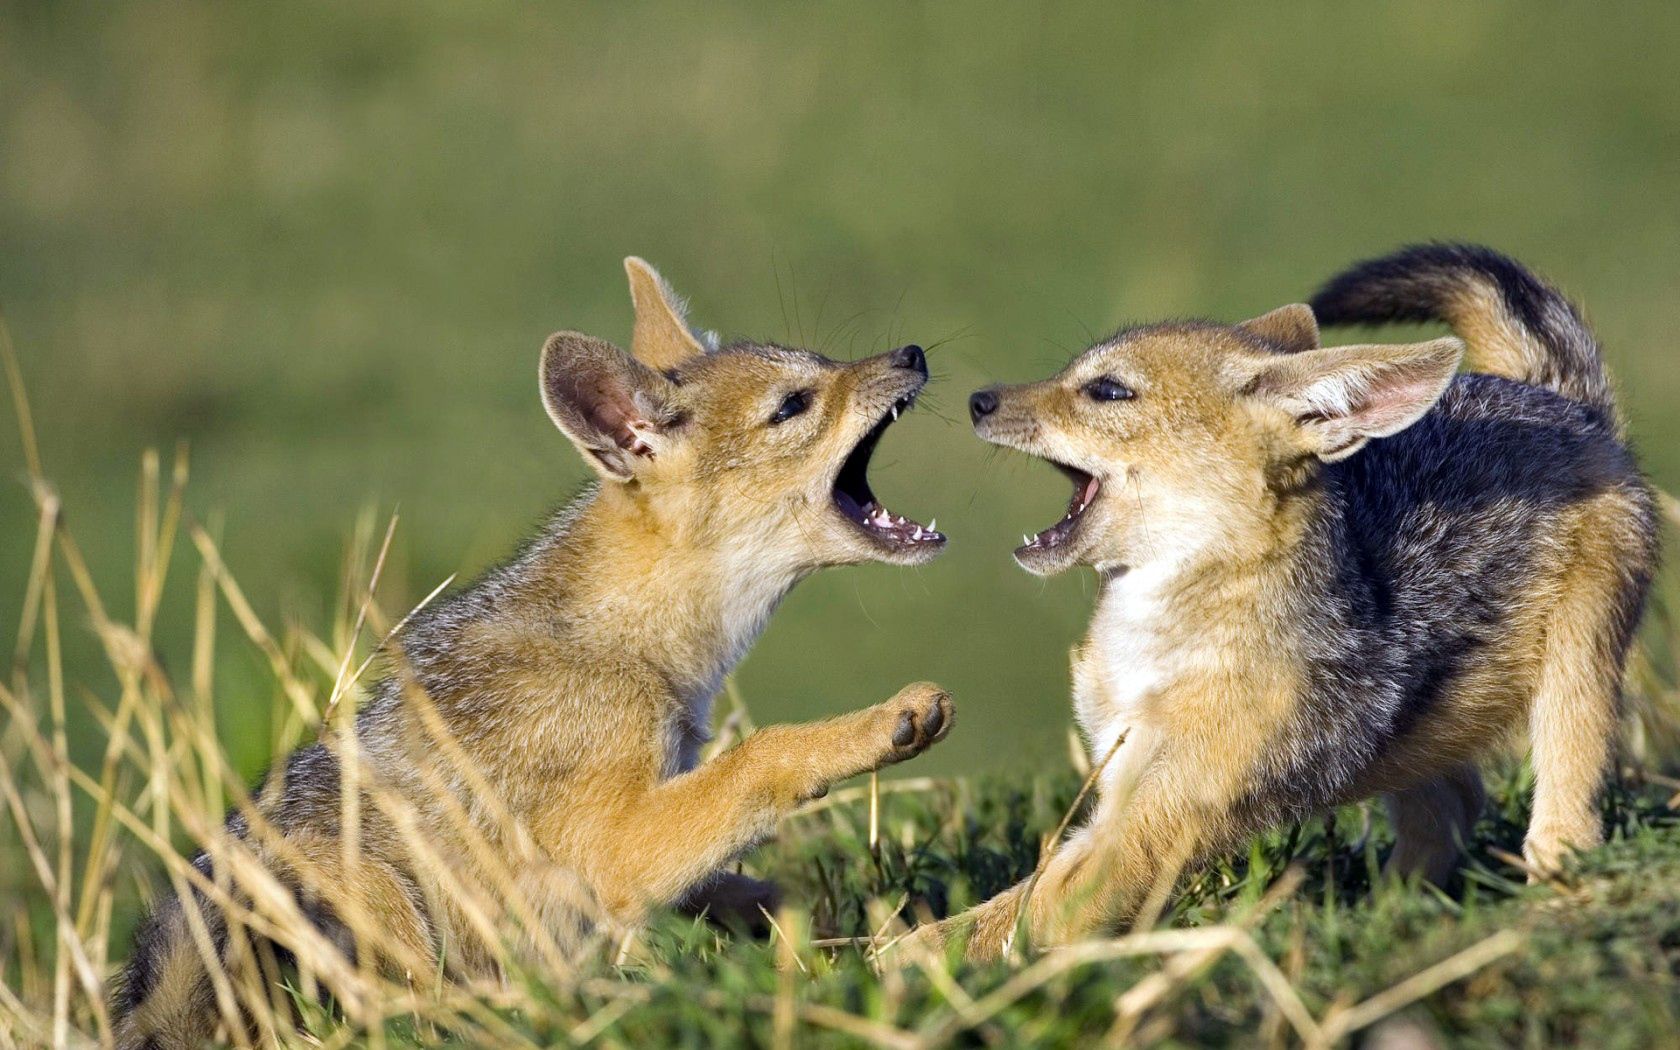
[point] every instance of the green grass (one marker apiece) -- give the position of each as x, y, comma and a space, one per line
1592, 962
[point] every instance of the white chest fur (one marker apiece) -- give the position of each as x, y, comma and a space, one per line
1125, 664
757, 586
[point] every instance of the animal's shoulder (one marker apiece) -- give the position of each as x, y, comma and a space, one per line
1490, 446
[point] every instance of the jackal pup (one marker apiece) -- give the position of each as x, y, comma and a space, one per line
1332, 572
549, 718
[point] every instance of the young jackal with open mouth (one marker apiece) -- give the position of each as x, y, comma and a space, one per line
1329, 573
539, 738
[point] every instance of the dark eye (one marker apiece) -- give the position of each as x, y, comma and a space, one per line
1106, 389
791, 406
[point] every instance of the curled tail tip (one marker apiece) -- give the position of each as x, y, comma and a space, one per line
1518, 326
1410, 284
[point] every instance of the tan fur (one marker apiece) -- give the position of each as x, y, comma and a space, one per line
1558, 677
660, 587
1498, 344
541, 747
1193, 659
661, 338
180, 1008
1477, 313
1573, 720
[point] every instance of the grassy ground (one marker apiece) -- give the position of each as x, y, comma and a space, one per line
1595, 962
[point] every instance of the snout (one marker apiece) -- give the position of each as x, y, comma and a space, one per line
911, 357
1007, 415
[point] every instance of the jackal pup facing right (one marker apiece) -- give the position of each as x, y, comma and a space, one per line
539, 738
1329, 573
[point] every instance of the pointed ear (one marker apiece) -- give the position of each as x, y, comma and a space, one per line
615, 409
1291, 328
1343, 396
661, 338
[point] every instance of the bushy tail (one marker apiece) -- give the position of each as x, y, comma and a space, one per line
1513, 324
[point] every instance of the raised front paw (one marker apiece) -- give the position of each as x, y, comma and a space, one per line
916, 719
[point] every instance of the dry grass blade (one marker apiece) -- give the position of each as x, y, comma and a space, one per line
1670, 506
342, 680
857, 1027
1059, 961
846, 796
854, 1026
74, 950
1054, 840
39, 564
20, 401
1130, 1008
294, 690
1457, 967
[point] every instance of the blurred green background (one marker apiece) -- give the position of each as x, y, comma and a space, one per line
323, 242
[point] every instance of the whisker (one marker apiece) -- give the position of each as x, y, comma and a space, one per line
793, 283
776, 274
898, 310
844, 325
857, 593
822, 304
1090, 336
960, 334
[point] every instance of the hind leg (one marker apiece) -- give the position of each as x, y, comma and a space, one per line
1571, 731
1572, 724
1432, 823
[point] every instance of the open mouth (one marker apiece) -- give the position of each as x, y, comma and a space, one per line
858, 504
1085, 490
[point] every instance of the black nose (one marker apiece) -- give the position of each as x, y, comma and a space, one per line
982, 404
910, 357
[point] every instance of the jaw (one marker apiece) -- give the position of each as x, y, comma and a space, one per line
870, 531
1068, 542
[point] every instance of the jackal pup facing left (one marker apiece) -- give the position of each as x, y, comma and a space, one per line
550, 716
1333, 572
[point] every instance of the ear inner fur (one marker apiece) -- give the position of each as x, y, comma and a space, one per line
1344, 396
661, 338
601, 399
